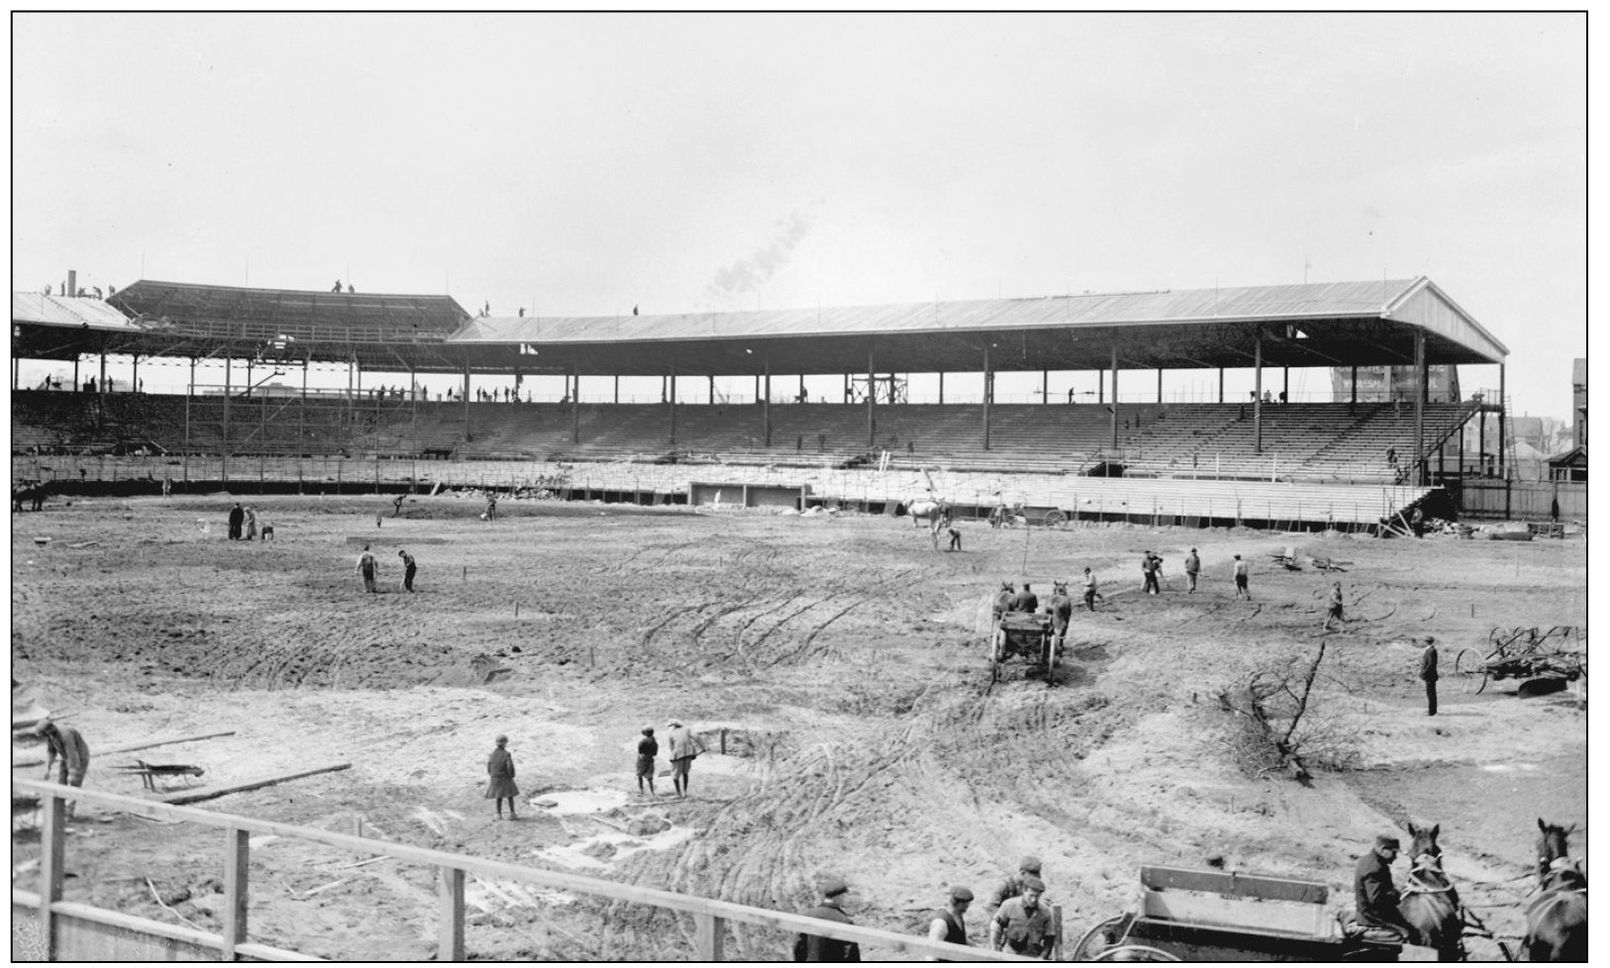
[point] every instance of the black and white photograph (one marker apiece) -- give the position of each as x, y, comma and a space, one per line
828, 485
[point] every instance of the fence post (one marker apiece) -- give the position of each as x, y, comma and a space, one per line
450, 914
237, 854
709, 937
52, 869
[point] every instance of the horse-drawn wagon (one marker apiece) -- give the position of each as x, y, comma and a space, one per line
1210, 915
1027, 634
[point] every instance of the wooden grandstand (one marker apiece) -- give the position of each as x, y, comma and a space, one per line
1358, 324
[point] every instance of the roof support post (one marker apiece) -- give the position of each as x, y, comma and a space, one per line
617, 386
1221, 384
1101, 384
671, 382
1159, 384
711, 397
134, 381
575, 406
225, 441
1420, 470
1045, 386
101, 387
78, 388
1352, 397
989, 393
14, 366
1257, 392
1115, 392
1503, 404
466, 398
871, 398
1481, 442
941, 386
765, 406
1285, 386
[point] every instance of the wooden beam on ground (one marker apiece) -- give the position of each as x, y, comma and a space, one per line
208, 793
39, 761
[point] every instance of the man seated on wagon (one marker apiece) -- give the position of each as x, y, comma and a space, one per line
1026, 600
1374, 895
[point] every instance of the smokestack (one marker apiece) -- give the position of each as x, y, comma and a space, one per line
72, 282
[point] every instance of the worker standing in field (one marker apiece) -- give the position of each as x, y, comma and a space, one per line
1090, 590
236, 517
366, 568
500, 785
1193, 564
251, 524
408, 569
1335, 610
949, 924
1241, 590
1023, 924
682, 748
811, 947
66, 744
647, 748
1148, 568
1428, 674
1027, 868
491, 505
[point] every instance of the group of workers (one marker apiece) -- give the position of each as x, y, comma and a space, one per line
1021, 920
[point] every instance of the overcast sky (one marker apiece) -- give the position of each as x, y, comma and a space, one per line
581, 164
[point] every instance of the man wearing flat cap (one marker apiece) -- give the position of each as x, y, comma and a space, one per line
810, 947
949, 924
1023, 924
1374, 894
1028, 867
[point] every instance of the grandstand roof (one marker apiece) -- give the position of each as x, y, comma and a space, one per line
1319, 324
33, 308
302, 314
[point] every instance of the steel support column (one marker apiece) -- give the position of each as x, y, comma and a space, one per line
670, 381
1503, 405
1045, 386
1257, 393
941, 386
466, 401
989, 394
871, 397
1352, 397
1221, 384
1420, 470
1115, 393
765, 408
225, 441
134, 380
575, 405
1159, 384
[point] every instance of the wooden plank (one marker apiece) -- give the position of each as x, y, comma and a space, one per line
450, 915
39, 761
1240, 913
209, 793
1234, 884
709, 937
52, 873
237, 855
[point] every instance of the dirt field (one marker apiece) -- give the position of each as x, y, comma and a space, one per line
842, 656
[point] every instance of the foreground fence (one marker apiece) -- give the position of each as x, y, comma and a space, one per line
71, 931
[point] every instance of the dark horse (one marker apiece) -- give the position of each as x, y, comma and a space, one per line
1557, 919
1430, 904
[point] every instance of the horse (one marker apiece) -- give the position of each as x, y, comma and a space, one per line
1557, 920
925, 509
1430, 904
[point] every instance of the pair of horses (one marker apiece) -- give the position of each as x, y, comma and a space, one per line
1556, 920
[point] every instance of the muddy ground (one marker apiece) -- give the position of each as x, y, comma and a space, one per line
841, 655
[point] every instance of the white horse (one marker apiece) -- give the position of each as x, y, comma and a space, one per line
924, 509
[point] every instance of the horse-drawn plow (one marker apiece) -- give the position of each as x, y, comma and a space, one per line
1528, 654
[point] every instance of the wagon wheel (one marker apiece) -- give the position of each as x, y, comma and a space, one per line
1135, 952
1049, 653
1055, 518
1094, 940
997, 649
1471, 664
